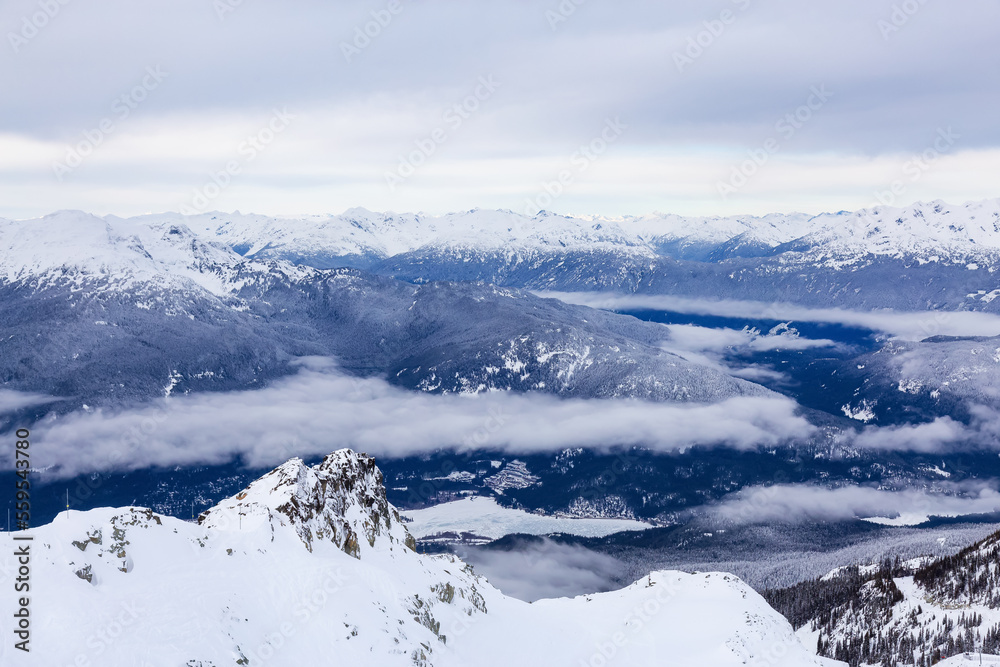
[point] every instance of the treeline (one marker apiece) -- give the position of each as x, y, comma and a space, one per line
853, 610
971, 576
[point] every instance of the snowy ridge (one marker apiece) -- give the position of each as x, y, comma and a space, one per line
942, 256
514, 475
970, 660
341, 499
934, 231
75, 246
159, 308
265, 578
204, 248
913, 612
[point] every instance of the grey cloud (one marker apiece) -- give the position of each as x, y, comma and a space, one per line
12, 401
806, 503
533, 570
320, 410
605, 58
906, 325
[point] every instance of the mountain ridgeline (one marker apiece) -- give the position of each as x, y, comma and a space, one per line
110, 314
897, 612
311, 565
926, 256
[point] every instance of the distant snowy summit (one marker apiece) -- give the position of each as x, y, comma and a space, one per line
310, 565
945, 231
938, 230
926, 256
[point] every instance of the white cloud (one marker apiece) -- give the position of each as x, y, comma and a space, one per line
914, 325
928, 437
708, 347
807, 503
319, 410
12, 401
356, 118
538, 569
941, 434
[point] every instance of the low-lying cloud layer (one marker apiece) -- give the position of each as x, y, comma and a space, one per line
934, 436
321, 409
807, 503
545, 569
905, 325
708, 346
12, 401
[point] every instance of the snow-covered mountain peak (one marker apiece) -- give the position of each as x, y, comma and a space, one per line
927, 232
930, 231
921, 229
76, 247
67, 239
340, 500
240, 589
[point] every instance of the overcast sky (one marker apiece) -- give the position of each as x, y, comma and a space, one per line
671, 97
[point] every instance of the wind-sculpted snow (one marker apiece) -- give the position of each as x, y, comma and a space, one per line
270, 576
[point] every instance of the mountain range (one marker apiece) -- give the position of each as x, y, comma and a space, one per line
103, 315
436, 341
926, 256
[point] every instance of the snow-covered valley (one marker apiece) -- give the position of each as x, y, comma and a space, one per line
482, 519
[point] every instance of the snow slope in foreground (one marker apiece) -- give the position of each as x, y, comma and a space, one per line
970, 660
482, 519
312, 566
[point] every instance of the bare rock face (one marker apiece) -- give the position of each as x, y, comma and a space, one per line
341, 500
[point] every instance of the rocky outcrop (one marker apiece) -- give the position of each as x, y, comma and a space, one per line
340, 500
